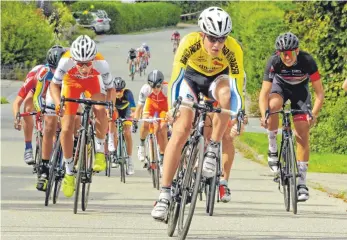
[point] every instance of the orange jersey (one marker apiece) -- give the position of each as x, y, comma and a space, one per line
154, 103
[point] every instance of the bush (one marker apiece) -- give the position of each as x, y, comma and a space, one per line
133, 17
330, 134
256, 26
26, 34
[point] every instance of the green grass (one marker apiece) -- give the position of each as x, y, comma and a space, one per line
3, 100
325, 163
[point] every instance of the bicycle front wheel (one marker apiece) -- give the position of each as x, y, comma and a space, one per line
81, 169
174, 206
57, 182
52, 171
89, 174
190, 188
210, 198
284, 176
293, 173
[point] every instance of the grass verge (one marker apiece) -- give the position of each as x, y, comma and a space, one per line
4, 100
257, 147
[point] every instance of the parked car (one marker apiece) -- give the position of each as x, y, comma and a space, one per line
98, 21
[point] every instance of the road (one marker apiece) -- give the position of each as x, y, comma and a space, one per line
122, 211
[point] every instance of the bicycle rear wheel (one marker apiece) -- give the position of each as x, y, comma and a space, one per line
190, 189
81, 168
174, 206
293, 173
89, 174
52, 170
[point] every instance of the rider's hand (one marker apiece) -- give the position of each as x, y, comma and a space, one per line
311, 120
263, 123
245, 119
134, 127
17, 124
58, 111
169, 115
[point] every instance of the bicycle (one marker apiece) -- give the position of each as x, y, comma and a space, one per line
152, 153
210, 185
133, 70
142, 66
56, 170
84, 155
175, 46
120, 156
288, 169
186, 184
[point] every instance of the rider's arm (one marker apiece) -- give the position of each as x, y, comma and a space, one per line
344, 85
179, 67
144, 93
16, 105
40, 88
102, 66
266, 88
312, 70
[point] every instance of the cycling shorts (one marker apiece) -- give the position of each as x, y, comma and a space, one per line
73, 88
299, 96
194, 82
123, 113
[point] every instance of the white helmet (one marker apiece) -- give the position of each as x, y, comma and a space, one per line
215, 21
144, 45
83, 49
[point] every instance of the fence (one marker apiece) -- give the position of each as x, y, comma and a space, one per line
190, 16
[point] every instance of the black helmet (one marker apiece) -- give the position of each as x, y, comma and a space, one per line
155, 77
119, 83
286, 41
54, 54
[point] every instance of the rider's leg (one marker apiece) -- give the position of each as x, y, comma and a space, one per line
28, 127
221, 92
302, 135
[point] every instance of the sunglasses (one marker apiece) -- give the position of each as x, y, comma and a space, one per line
119, 90
84, 64
157, 86
289, 53
212, 39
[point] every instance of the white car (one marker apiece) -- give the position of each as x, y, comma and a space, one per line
100, 22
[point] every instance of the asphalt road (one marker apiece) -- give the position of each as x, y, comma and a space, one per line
122, 211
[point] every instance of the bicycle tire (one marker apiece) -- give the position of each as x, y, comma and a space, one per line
212, 194
284, 173
81, 158
174, 206
108, 164
293, 173
57, 184
52, 172
151, 160
157, 165
197, 151
89, 174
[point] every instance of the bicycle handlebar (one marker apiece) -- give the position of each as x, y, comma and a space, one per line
284, 112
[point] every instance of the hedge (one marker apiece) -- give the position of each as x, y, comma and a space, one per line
134, 17
26, 34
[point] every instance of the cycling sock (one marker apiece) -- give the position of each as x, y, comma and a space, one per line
69, 163
214, 144
161, 157
302, 166
99, 145
223, 182
165, 192
272, 141
28, 145
142, 142
111, 147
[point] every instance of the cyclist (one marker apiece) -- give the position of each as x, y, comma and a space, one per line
131, 57
81, 69
141, 55
153, 102
287, 74
39, 77
210, 62
344, 85
176, 38
148, 53
125, 106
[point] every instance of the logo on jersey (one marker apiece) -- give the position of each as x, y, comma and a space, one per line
230, 56
190, 97
201, 59
189, 52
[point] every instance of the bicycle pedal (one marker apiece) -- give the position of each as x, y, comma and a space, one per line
276, 179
